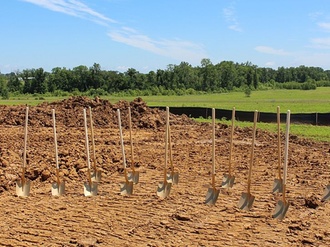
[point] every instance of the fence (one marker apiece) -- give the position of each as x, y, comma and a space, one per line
266, 117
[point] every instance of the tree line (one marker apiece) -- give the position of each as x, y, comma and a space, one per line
176, 79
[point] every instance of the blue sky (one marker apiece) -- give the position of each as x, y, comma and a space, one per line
151, 34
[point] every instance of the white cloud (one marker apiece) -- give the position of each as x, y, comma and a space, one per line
322, 43
176, 48
231, 19
73, 8
325, 26
270, 64
270, 50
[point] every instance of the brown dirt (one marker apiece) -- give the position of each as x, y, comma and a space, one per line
142, 219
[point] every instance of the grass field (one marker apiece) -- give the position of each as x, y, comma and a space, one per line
298, 101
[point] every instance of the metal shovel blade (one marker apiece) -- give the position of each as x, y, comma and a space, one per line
278, 185
172, 177
164, 189
280, 210
90, 189
212, 196
228, 181
133, 176
126, 188
58, 189
246, 201
23, 188
326, 195
96, 176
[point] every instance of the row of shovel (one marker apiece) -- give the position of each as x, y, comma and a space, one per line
247, 199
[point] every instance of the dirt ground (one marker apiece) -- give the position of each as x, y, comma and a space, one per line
182, 219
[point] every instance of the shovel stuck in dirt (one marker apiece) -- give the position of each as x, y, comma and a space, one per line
134, 175
58, 188
23, 185
228, 179
326, 195
164, 188
126, 188
278, 182
172, 176
90, 187
247, 199
283, 206
96, 174
212, 193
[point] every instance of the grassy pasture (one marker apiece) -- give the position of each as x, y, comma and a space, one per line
298, 101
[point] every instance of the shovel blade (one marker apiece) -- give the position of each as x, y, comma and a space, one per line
326, 195
96, 176
90, 189
58, 189
246, 201
212, 196
278, 186
228, 181
280, 210
173, 177
133, 176
23, 188
126, 188
164, 189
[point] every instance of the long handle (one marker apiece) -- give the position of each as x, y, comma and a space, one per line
93, 142
286, 149
55, 139
166, 139
252, 149
279, 141
86, 143
121, 139
130, 136
231, 139
170, 145
25, 136
213, 147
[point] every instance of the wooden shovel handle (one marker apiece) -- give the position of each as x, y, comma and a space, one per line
231, 139
252, 149
213, 141
25, 138
166, 139
121, 139
170, 145
93, 142
87, 149
279, 141
56, 150
286, 149
130, 137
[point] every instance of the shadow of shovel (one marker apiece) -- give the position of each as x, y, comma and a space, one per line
229, 179
247, 199
23, 185
58, 188
90, 187
212, 193
282, 207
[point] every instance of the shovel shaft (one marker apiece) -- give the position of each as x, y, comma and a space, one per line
279, 141
55, 139
252, 149
286, 147
170, 147
231, 140
166, 136
213, 141
121, 139
25, 137
86, 143
130, 136
92, 133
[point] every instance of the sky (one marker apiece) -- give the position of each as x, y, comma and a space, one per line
148, 35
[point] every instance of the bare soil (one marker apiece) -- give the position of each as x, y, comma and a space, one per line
143, 219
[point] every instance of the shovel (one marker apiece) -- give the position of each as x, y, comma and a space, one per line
172, 176
247, 199
23, 185
326, 194
212, 193
278, 182
283, 206
90, 187
96, 174
126, 188
228, 179
133, 175
58, 188
164, 188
